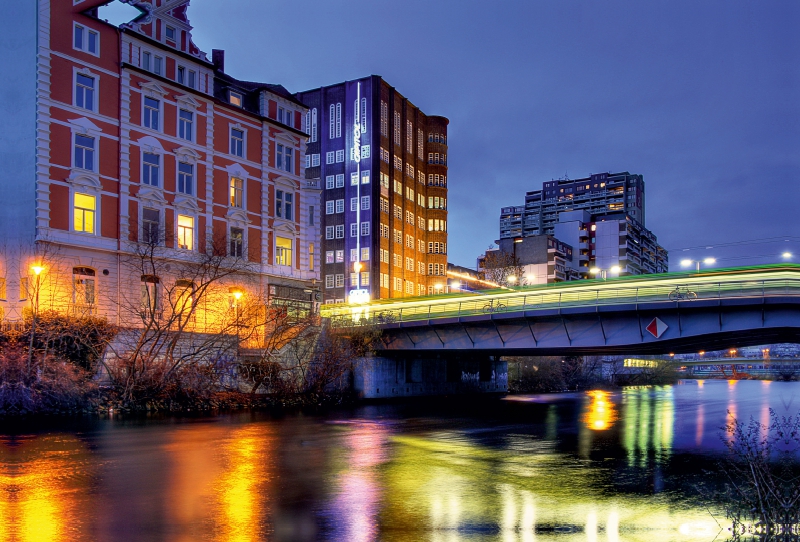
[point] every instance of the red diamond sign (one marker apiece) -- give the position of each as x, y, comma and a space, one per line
656, 328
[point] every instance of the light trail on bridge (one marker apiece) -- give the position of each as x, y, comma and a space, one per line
681, 288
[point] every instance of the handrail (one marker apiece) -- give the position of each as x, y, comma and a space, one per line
506, 302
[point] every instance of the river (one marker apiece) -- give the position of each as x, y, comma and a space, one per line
595, 466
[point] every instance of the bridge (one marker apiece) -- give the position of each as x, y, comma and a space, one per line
645, 314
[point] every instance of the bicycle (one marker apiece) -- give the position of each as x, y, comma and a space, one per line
491, 307
682, 295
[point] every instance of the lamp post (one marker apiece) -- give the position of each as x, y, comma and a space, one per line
237, 293
604, 272
707, 261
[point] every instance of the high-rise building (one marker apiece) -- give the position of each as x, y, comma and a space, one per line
382, 166
120, 137
601, 217
600, 193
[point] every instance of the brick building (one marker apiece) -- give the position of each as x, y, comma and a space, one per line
382, 165
131, 136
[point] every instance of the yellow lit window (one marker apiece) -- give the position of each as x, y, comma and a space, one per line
237, 189
283, 251
185, 232
85, 208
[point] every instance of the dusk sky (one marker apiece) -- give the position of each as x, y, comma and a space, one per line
700, 97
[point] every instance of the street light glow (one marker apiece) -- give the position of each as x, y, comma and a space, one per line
594, 270
512, 278
615, 269
686, 263
37, 269
787, 254
710, 260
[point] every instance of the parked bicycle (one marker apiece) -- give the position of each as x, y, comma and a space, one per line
493, 306
682, 294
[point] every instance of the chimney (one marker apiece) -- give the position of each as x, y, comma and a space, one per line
218, 59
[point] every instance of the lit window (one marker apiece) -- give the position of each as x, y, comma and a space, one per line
150, 168
283, 251
185, 232
151, 113
84, 152
186, 122
85, 39
237, 192
185, 178
84, 213
235, 98
237, 142
329, 256
151, 226
184, 296
236, 242
84, 91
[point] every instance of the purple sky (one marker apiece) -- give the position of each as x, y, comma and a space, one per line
700, 97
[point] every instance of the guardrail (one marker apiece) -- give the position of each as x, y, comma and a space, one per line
532, 301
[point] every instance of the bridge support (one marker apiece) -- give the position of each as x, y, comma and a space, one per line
407, 376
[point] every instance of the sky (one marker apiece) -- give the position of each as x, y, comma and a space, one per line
701, 97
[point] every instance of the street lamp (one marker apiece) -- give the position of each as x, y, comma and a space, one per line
707, 261
786, 255
37, 270
604, 272
512, 279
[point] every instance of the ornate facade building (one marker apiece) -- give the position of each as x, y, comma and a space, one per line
382, 166
133, 157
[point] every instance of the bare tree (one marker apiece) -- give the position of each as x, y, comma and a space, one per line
498, 266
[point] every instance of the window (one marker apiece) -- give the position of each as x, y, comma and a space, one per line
311, 256
364, 203
191, 83
329, 180
184, 297
236, 242
235, 98
330, 157
398, 284
185, 232
314, 125
354, 204
409, 241
237, 142
340, 180
283, 158
146, 60
365, 254
420, 144
83, 286
340, 231
85, 39
409, 138
181, 77
150, 168
84, 91
237, 192
283, 204
354, 178
149, 288
339, 156
339, 280
384, 280
338, 120
185, 178
397, 128
353, 254
311, 215
84, 152
339, 256
353, 230
384, 255
365, 228
409, 264
170, 33
152, 107
354, 279
384, 119
328, 281
314, 160
328, 232
384, 203
339, 205
283, 251
384, 231
84, 213
151, 226
329, 256
329, 207
186, 122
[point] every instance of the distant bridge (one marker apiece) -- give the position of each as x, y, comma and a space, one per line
644, 314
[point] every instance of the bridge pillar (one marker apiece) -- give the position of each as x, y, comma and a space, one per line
386, 377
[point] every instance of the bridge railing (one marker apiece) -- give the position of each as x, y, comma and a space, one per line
533, 301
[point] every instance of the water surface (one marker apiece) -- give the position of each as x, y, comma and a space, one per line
596, 466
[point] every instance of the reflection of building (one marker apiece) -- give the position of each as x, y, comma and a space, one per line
600, 217
382, 165
134, 138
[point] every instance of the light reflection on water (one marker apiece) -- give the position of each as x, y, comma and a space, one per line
597, 466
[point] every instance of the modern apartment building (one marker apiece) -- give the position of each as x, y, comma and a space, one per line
120, 137
600, 193
540, 259
382, 166
601, 217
